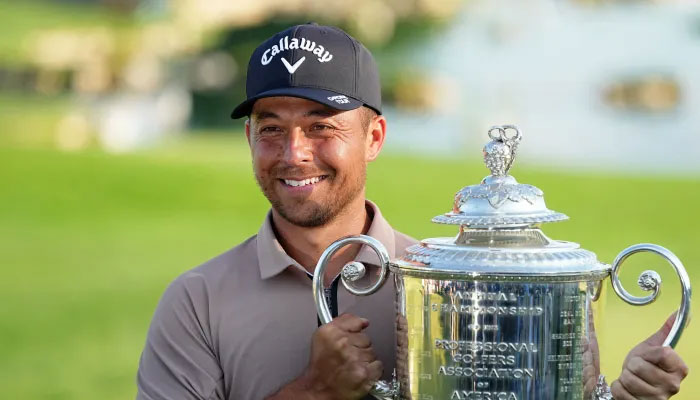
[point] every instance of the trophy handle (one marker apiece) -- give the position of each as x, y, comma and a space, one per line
651, 281
351, 272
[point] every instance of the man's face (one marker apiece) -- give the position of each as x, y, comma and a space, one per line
310, 160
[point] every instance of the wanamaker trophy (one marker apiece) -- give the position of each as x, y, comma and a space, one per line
500, 311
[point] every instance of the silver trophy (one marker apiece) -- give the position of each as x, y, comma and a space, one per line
501, 311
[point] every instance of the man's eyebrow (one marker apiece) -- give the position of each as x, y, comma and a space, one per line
321, 112
263, 115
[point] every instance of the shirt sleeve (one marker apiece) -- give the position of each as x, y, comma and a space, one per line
178, 360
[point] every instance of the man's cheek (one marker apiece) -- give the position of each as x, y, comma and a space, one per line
268, 150
263, 161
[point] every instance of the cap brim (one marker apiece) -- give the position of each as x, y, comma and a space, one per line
325, 97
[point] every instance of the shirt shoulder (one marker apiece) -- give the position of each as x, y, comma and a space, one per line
181, 355
231, 262
201, 288
196, 286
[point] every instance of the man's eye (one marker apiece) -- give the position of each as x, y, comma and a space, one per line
321, 127
269, 129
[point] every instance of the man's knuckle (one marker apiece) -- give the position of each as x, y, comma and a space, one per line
674, 386
667, 353
626, 378
359, 373
617, 390
349, 355
340, 344
380, 369
635, 365
326, 330
658, 352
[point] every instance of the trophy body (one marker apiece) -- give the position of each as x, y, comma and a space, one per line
495, 340
500, 311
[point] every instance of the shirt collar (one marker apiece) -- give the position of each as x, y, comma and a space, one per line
273, 259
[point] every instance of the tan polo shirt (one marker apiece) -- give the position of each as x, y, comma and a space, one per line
240, 325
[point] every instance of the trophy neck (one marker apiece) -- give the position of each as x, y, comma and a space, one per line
506, 238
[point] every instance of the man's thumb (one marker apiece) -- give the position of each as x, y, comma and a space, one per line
657, 339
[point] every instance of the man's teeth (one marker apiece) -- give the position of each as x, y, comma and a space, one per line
305, 182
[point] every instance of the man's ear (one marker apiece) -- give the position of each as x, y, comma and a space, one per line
375, 137
247, 130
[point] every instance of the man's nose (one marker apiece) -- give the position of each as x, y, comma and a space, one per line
298, 148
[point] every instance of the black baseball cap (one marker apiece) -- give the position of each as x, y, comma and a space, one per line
314, 62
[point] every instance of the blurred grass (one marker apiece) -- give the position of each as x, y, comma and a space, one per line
89, 241
29, 120
20, 20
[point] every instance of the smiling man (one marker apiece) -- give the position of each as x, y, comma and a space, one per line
243, 325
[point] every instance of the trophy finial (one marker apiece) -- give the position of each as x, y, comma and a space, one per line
499, 153
499, 201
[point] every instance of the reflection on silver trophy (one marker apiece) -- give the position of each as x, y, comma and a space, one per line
501, 311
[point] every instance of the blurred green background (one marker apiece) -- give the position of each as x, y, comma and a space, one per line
98, 213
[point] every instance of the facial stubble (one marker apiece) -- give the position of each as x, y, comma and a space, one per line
317, 213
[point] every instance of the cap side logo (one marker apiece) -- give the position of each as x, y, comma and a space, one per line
296, 43
339, 99
292, 68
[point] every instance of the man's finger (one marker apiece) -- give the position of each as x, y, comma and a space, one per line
359, 340
657, 339
353, 355
646, 370
672, 362
637, 385
366, 355
351, 323
375, 370
619, 392
653, 374
665, 358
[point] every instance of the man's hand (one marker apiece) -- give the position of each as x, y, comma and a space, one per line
651, 371
342, 366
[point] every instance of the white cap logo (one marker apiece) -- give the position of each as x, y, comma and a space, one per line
292, 68
286, 44
339, 99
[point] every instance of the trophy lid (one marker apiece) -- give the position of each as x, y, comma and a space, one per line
499, 235
499, 201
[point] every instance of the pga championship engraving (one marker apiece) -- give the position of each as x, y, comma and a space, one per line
500, 311
501, 363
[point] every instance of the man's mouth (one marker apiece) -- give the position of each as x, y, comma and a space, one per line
304, 182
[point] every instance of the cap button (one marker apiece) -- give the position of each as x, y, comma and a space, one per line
312, 23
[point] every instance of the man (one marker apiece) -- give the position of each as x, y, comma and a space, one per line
243, 325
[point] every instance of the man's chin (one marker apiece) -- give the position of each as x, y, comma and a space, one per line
308, 218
